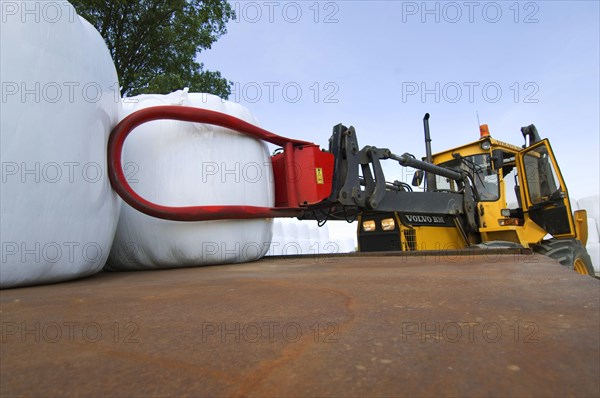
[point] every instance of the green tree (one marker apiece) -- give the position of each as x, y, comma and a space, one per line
154, 43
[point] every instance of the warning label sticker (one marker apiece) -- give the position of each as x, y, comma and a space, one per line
319, 171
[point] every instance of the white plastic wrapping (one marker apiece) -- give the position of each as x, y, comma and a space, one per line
60, 102
285, 238
593, 244
593, 236
592, 205
189, 164
574, 205
345, 233
292, 236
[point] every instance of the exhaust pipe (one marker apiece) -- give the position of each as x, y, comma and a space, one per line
430, 177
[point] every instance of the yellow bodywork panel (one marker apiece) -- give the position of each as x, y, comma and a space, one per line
581, 226
525, 234
431, 238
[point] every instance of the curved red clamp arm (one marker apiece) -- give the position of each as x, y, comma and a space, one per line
189, 213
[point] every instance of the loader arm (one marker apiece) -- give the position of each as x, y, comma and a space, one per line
359, 185
310, 183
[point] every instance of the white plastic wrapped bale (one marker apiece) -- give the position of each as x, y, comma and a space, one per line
277, 242
325, 244
59, 103
291, 236
285, 238
295, 237
343, 237
574, 205
593, 244
176, 163
592, 205
304, 241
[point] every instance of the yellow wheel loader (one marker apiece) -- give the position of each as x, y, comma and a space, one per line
520, 199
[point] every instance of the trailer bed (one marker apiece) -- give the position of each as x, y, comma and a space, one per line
503, 324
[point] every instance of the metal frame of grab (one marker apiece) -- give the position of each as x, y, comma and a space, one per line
285, 177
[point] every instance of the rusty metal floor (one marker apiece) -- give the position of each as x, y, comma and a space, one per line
339, 326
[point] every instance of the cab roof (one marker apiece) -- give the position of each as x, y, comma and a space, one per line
474, 148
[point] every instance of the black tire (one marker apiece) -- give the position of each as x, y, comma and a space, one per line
569, 252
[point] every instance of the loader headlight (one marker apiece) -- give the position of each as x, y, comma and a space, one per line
485, 145
505, 212
388, 224
368, 226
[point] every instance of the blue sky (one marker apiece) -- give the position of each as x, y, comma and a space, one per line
302, 67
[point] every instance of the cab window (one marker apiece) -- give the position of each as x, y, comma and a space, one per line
542, 181
480, 168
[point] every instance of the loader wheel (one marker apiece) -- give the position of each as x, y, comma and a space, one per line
568, 252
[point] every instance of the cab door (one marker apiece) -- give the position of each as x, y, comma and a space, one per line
543, 191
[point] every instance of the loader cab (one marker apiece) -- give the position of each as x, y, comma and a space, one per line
520, 193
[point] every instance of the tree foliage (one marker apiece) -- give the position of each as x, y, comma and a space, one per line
154, 43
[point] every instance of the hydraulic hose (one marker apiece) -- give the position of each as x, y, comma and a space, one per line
190, 213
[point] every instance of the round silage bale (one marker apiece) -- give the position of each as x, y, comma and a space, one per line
175, 163
60, 101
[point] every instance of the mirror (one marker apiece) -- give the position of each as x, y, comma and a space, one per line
417, 178
497, 159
